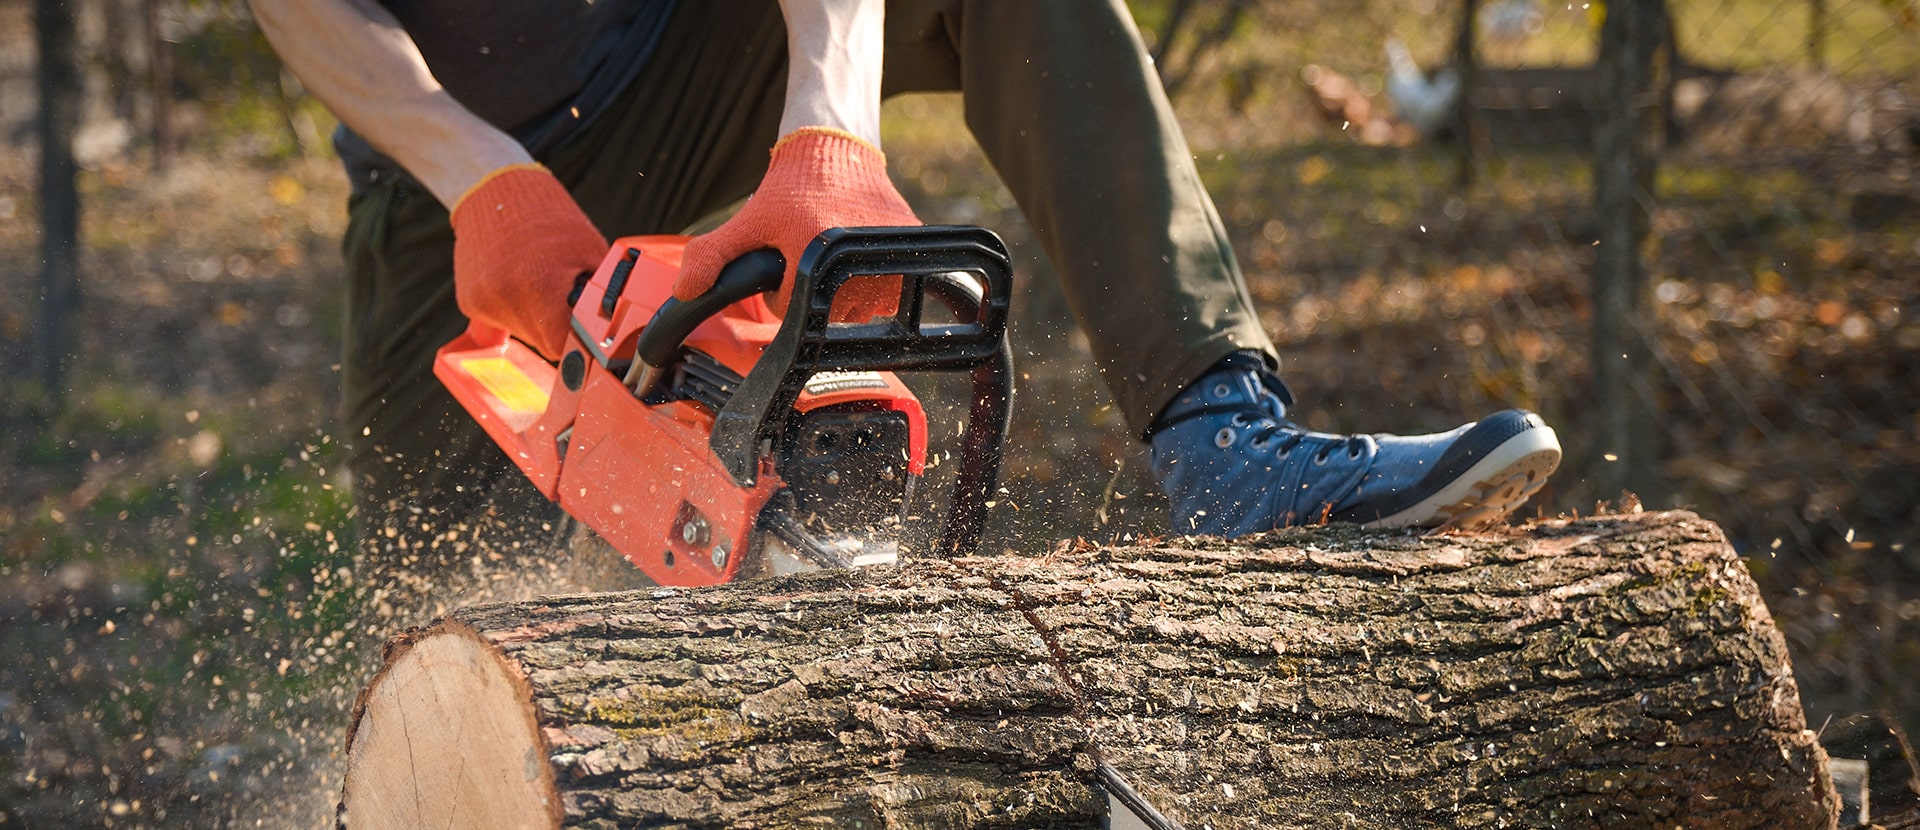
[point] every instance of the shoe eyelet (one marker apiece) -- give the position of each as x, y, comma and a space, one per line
1241, 419
1320, 459
1262, 443
1282, 455
1222, 390
1224, 438
1354, 451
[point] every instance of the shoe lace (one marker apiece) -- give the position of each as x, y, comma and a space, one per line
1267, 428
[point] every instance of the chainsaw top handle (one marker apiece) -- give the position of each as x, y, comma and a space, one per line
965, 269
752, 273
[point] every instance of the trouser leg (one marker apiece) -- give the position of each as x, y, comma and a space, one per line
1062, 99
692, 133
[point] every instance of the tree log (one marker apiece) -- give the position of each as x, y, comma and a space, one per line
1612, 672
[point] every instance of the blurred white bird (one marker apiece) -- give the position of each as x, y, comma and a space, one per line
1426, 103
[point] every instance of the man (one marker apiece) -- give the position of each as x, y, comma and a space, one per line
494, 147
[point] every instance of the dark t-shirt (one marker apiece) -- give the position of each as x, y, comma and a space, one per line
539, 70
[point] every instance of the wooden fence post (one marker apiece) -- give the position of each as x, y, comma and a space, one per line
1626, 442
1467, 65
1817, 33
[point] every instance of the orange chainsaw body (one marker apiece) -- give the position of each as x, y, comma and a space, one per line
711, 439
640, 474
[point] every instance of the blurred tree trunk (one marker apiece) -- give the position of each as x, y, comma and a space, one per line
1177, 17
1468, 66
1177, 67
1817, 33
119, 56
1626, 443
59, 197
160, 75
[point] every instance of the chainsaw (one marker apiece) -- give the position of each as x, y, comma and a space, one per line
712, 440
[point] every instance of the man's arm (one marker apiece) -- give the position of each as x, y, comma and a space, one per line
519, 241
833, 73
354, 56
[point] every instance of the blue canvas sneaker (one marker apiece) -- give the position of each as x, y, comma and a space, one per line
1232, 464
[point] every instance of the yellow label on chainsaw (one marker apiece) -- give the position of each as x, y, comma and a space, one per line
506, 382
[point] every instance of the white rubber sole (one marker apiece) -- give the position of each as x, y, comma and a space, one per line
1490, 489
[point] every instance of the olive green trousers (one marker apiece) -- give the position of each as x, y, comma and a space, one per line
1059, 94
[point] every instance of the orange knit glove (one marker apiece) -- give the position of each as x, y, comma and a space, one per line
519, 243
820, 178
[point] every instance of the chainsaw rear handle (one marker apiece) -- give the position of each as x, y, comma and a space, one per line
932, 261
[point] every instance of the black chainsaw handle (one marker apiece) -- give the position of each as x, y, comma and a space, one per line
965, 269
752, 273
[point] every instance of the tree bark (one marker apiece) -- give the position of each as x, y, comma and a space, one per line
1610, 672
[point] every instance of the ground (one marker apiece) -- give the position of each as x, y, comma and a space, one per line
172, 531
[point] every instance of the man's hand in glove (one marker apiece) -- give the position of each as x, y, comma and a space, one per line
519, 245
820, 178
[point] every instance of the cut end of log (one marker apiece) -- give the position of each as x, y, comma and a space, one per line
445, 737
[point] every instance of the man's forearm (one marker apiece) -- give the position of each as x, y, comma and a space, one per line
833, 77
354, 56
